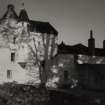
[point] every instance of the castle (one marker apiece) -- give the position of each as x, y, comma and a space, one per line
19, 36
17, 62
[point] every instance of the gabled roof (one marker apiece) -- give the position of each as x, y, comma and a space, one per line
43, 27
78, 49
74, 49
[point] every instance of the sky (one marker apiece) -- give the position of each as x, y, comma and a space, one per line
71, 18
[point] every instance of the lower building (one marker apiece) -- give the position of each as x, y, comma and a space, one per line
85, 66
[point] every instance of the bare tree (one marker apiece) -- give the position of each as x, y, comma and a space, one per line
42, 46
42, 51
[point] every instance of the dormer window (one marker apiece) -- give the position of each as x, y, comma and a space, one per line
12, 57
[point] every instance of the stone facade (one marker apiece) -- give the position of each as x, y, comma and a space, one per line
19, 36
87, 64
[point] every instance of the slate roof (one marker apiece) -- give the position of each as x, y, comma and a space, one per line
10, 13
37, 26
43, 27
34, 26
78, 49
23, 16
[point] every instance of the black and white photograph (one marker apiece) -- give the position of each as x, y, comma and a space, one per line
52, 52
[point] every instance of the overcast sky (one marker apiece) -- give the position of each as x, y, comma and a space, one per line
72, 18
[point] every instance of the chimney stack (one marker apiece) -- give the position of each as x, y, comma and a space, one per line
104, 44
91, 44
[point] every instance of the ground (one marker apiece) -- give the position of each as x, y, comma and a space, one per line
15, 94
12, 94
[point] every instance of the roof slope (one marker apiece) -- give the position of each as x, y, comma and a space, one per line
10, 13
23, 16
34, 26
78, 49
43, 27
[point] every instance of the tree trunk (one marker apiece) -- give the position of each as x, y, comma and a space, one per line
46, 65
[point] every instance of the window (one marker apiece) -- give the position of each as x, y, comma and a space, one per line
9, 74
12, 57
66, 74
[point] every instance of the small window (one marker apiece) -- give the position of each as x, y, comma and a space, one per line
9, 74
38, 42
12, 57
66, 75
